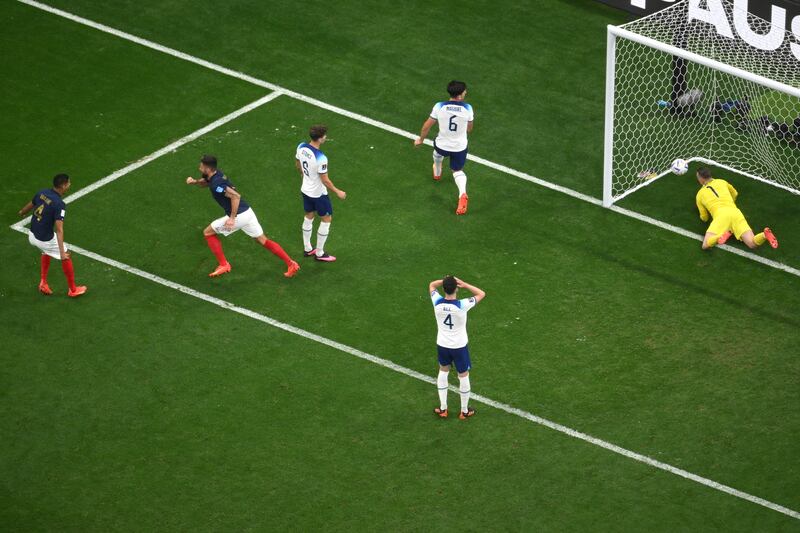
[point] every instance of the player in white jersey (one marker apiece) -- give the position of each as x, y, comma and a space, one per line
313, 167
452, 340
455, 119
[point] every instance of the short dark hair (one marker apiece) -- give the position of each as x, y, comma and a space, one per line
454, 88
704, 173
317, 131
449, 284
59, 180
209, 160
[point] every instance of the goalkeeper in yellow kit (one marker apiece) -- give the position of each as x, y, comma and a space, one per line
717, 198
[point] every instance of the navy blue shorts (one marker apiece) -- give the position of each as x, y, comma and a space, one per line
322, 205
457, 159
457, 356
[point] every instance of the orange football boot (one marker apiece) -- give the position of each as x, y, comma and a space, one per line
293, 268
462, 205
441, 413
220, 270
463, 416
770, 237
80, 289
44, 288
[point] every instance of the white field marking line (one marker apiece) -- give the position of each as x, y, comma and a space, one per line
382, 125
431, 381
162, 151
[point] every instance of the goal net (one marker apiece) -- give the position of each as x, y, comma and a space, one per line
702, 81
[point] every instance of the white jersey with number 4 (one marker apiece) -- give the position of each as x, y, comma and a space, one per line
451, 317
453, 117
312, 163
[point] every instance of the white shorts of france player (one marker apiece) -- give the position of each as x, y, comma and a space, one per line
47, 247
247, 222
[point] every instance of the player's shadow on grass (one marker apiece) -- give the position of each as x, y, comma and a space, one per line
694, 288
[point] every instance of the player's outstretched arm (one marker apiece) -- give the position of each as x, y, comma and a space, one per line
329, 184
477, 293
426, 128
200, 183
25, 210
703, 211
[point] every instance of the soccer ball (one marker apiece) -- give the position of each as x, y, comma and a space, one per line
679, 167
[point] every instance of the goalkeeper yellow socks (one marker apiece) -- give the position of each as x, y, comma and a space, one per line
760, 239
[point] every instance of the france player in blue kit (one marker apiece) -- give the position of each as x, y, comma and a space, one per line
238, 216
452, 342
47, 233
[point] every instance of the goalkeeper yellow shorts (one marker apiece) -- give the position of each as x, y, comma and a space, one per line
729, 219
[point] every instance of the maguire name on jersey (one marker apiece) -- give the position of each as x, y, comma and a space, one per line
453, 118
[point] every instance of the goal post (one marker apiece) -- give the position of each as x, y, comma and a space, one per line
676, 88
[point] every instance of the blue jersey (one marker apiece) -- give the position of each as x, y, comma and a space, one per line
47, 208
217, 184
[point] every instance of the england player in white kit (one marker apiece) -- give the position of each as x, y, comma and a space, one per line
313, 167
455, 118
452, 340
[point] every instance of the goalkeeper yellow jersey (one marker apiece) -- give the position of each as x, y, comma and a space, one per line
715, 195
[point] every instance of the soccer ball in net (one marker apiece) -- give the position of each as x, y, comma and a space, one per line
679, 167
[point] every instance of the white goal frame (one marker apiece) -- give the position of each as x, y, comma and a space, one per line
616, 32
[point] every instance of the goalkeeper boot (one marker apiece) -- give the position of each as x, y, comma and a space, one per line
441, 413
724, 237
435, 177
462, 205
80, 289
770, 237
463, 416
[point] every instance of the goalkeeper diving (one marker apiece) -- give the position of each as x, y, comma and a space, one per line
717, 199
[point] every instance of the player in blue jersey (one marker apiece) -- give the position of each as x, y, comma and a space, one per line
238, 216
47, 233
313, 167
455, 119
452, 341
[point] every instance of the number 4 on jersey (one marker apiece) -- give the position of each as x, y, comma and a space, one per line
448, 321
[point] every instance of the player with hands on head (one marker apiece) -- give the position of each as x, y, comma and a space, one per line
452, 342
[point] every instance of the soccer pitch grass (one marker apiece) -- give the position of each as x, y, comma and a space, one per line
138, 407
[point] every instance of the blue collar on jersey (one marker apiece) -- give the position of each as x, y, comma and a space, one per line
317, 151
457, 303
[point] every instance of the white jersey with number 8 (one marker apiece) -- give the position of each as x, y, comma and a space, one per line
451, 318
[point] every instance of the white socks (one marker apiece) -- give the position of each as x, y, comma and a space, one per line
308, 226
441, 384
463, 389
461, 182
437, 162
322, 236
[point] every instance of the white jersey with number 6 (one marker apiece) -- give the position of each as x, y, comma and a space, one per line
312, 163
451, 317
453, 117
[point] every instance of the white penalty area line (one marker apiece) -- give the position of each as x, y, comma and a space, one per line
431, 381
392, 129
163, 151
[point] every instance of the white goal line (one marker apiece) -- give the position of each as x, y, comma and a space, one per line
386, 363
387, 127
162, 151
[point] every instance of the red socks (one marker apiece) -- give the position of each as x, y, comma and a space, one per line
216, 248
276, 249
45, 266
66, 266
